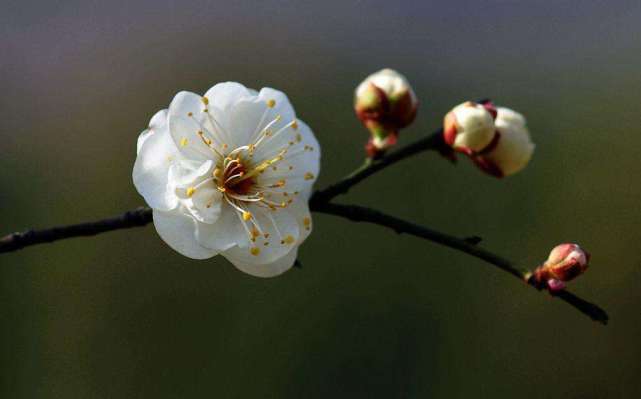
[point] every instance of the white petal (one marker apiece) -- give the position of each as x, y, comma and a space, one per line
193, 184
186, 173
157, 122
299, 209
281, 105
185, 133
224, 233
205, 204
273, 269
281, 233
195, 127
243, 114
185, 103
151, 169
514, 149
178, 231
224, 95
300, 166
245, 120
507, 116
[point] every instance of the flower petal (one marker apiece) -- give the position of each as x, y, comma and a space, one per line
177, 230
206, 203
224, 233
193, 184
299, 209
150, 174
224, 95
301, 164
513, 151
193, 128
276, 268
157, 122
185, 173
274, 234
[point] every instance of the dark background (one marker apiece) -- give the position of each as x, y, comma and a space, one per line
372, 314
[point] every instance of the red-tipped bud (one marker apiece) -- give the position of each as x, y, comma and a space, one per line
511, 149
566, 262
469, 127
385, 103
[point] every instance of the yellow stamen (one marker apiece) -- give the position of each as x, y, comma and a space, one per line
247, 216
309, 176
289, 239
254, 251
205, 100
190, 191
271, 103
183, 142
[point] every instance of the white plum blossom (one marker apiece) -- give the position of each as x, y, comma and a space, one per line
230, 173
513, 149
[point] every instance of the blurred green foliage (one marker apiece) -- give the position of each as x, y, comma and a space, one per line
371, 314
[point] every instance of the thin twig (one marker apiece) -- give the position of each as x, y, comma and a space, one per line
15, 241
362, 214
433, 141
143, 216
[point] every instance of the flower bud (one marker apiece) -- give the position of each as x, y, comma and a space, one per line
385, 103
469, 127
512, 148
566, 262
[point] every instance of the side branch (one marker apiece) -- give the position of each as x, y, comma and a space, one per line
143, 216
134, 218
362, 214
433, 141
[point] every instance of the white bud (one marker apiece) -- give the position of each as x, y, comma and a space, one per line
385, 103
469, 127
393, 84
514, 148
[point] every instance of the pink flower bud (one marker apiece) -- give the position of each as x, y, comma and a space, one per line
511, 149
566, 262
469, 127
385, 103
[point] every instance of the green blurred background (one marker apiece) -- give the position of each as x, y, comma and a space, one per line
371, 314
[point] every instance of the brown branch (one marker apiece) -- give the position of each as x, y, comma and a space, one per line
362, 214
433, 141
15, 241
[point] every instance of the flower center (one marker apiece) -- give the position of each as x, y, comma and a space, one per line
231, 182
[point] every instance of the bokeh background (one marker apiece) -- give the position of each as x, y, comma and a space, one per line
371, 314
